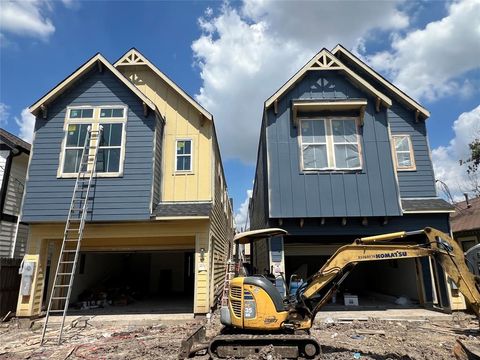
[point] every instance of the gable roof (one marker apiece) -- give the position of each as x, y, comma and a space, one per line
14, 141
326, 61
133, 57
339, 50
67, 82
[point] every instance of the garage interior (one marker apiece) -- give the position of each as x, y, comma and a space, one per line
378, 285
133, 282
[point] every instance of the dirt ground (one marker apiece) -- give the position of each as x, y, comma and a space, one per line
372, 339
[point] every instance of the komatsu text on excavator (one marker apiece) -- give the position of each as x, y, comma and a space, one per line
257, 315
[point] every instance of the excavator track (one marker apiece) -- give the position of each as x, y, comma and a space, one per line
243, 345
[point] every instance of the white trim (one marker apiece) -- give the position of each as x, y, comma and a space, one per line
407, 99
57, 90
175, 170
337, 65
163, 77
330, 144
95, 122
427, 211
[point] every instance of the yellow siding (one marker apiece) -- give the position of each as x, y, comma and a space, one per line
155, 235
182, 121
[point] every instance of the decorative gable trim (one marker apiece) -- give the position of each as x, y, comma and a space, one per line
407, 100
134, 57
325, 61
99, 61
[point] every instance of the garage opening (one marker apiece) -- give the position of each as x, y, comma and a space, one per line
373, 285
134, 282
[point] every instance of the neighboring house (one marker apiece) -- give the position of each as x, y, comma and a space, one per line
160, 221
343, 153
14, 154
466, 223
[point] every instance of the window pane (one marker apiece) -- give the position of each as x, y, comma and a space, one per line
72, 161
307, 131
184, 147
118, 113
318, 130
105, 113
183, 163
111, 135
108, 160
347, 156
87, 113
344, 131
76, 134
404, 159
315, 156
101, 160
401, 143
75, 113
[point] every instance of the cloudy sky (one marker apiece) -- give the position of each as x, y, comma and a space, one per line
231, 56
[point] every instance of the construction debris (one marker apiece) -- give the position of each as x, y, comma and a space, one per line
375, 339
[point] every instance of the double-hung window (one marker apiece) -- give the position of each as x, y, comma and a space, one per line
404, 159
111, 121
183, 156
329, 144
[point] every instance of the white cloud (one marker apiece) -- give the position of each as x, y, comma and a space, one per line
246, 54
241, 217
426, 63
4, 114
446, 159
26, 123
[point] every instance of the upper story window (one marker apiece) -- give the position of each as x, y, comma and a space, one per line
404, 159
111, 148
329, 144
183, 154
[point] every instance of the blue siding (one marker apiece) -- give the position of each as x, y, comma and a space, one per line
373, 191
419, 183
123, 198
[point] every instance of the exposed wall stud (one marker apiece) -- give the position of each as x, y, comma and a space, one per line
302, 221
322, 221
280, 222
385, 220
344, 221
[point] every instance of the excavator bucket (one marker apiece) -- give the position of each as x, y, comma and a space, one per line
196, 341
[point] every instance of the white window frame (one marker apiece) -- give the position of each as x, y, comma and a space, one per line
330, 144
95, 122
176, 156
413, 166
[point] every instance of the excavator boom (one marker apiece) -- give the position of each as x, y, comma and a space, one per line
255, 304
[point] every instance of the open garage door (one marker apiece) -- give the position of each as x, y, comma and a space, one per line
134, 282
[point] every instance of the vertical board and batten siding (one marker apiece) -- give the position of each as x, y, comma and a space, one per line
122, 198
372, 191
182, 121
420, 182
157, 166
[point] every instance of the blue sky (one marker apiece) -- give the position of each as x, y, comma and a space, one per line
232, 56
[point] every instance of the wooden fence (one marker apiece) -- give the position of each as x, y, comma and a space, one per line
9, 284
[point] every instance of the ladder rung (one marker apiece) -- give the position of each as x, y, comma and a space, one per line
71, 240
64, 274
66, 262
62, 286
56, 311
58, 298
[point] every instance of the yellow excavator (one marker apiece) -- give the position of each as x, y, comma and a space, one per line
257, 315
